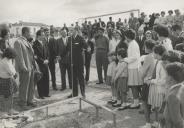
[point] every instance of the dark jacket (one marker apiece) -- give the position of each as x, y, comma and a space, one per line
91, 45
62, 50
141, 43
52, 47
175, 107
40, 50
101, 24
78, 45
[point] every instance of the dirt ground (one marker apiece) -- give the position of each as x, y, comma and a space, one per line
65, 113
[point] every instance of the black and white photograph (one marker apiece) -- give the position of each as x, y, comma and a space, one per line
91, 64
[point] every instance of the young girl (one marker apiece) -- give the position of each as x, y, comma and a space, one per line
134, 79
147, 71
120, 79
8, 85
157, 82
110, 71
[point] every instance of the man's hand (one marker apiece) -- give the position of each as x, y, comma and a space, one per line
88, 49
46, 62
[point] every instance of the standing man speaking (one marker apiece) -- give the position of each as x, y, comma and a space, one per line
75, 47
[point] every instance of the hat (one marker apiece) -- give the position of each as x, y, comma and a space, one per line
148, 32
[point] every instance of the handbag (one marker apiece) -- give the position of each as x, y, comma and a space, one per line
37, 73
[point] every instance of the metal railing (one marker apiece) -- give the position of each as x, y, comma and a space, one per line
97, 107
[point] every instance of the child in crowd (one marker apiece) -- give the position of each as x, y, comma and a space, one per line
8, 74
163, 36
147, 71
110, 71
133, 57
120, 78
157, 83
174, 110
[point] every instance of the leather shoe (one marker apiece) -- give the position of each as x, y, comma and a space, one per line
99, 83
48, 96
41, 97
135, 106
116, 105
55, 89
70, 96
62, 89
31, 104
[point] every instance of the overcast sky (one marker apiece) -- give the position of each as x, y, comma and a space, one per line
57, 12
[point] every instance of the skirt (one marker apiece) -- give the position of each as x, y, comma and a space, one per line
108, 80
8, 87
134, 77
121, 84
155, 97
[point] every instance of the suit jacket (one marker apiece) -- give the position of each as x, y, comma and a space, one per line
175, 107
91, 45
133, 23
62, 50
101, 24
112, 24
25, 55
41, 52
52, 47
78, 45
141, 43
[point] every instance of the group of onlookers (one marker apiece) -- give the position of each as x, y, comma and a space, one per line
144, 55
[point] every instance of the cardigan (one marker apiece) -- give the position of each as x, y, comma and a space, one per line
148, 67
133, 55
161, 77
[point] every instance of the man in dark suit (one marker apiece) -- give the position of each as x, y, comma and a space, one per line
110, 24
42, 57
101, 24
88, 53
64, 59
140, 40
75, 47
52, 46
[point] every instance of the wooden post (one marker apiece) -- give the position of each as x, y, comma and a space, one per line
114, 120
97, 112
80, 104
47, 112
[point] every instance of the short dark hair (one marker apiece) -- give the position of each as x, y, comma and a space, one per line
122, 52
170, 11
162, 12
150, 44
161, 30
25, 29
130, 33
4, 32
159, 49
176, 27
9, 53
39, 33
171, 56
176, 71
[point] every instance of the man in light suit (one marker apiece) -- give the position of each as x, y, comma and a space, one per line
64, 59
24, 66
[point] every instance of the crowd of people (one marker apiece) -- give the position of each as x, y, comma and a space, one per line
142, 54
